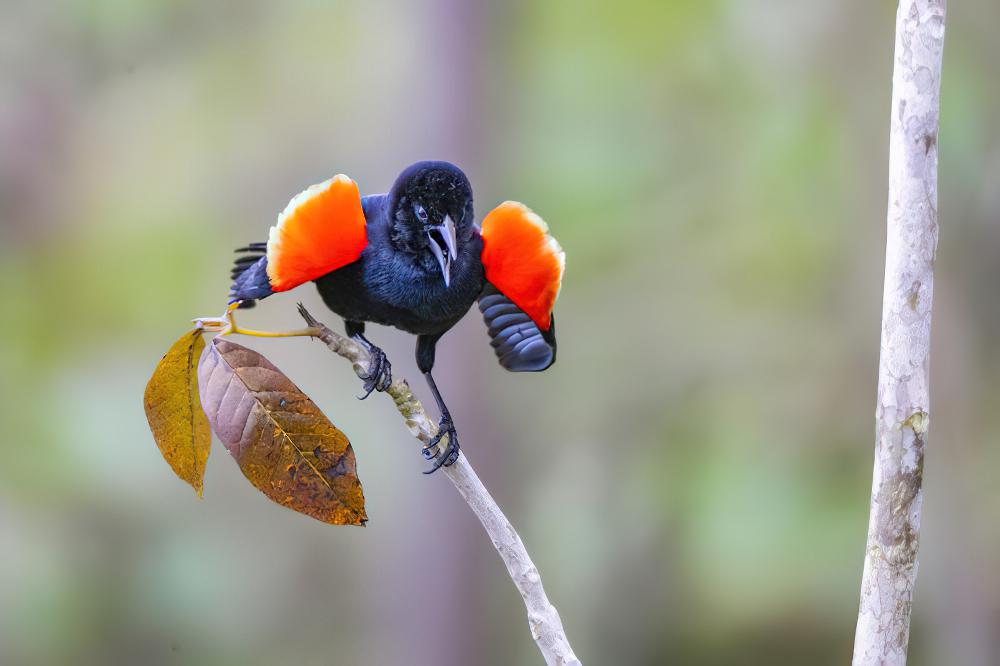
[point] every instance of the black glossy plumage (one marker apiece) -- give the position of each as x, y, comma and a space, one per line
398, 280
404, 288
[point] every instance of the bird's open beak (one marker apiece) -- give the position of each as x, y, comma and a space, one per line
444, 245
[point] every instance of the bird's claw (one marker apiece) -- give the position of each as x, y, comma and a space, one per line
432, 451
379, 375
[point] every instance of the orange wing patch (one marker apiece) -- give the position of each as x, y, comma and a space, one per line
321, 230
522, 260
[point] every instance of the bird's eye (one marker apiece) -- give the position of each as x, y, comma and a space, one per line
421, 214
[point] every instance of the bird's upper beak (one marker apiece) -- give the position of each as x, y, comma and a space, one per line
444, 245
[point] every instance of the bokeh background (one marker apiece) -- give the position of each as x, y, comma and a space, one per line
692, 477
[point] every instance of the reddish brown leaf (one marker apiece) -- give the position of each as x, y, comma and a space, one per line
283, 443
173, 410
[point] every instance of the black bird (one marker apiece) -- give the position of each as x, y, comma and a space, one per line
413, 258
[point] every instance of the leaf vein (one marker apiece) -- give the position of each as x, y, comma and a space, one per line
280, 429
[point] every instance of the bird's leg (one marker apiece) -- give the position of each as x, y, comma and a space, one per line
226, 325
446, 428
379, 375
426, 345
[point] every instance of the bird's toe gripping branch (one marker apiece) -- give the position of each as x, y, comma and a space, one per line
226, 325
433, 451
379, 374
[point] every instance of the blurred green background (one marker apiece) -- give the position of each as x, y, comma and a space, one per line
692, 477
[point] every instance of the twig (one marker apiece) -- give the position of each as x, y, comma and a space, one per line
903, 404
543, 619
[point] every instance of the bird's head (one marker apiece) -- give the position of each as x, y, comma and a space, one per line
431, 205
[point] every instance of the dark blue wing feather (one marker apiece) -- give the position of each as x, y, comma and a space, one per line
250, 282
519, 344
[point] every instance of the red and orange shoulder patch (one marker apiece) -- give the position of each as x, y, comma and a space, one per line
522, 260
322, 229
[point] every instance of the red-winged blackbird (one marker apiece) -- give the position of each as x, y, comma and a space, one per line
414, 258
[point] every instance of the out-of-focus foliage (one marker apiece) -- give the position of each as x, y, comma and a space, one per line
691, 477
173, 410
284, 444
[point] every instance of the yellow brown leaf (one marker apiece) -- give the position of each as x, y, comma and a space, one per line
173, 410
284, 444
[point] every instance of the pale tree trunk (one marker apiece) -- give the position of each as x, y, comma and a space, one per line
902, 412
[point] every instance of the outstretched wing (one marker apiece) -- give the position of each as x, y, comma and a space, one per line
524, 268
320, 230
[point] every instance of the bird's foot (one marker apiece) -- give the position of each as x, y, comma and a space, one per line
379, 375
433, 451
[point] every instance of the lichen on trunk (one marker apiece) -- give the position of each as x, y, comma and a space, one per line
902, 412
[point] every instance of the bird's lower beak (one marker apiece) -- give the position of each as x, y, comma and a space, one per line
444, 245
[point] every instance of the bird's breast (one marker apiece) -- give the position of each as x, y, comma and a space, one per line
389, 288
419, 299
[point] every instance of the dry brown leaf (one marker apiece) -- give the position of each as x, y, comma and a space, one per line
173, 409
283, 443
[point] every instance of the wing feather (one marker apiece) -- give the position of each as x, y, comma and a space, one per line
322, 229
520, 345
523, 261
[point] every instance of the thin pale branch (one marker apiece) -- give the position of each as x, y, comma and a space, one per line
902, 412
543, 619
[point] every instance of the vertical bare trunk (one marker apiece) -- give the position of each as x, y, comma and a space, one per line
902, 412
